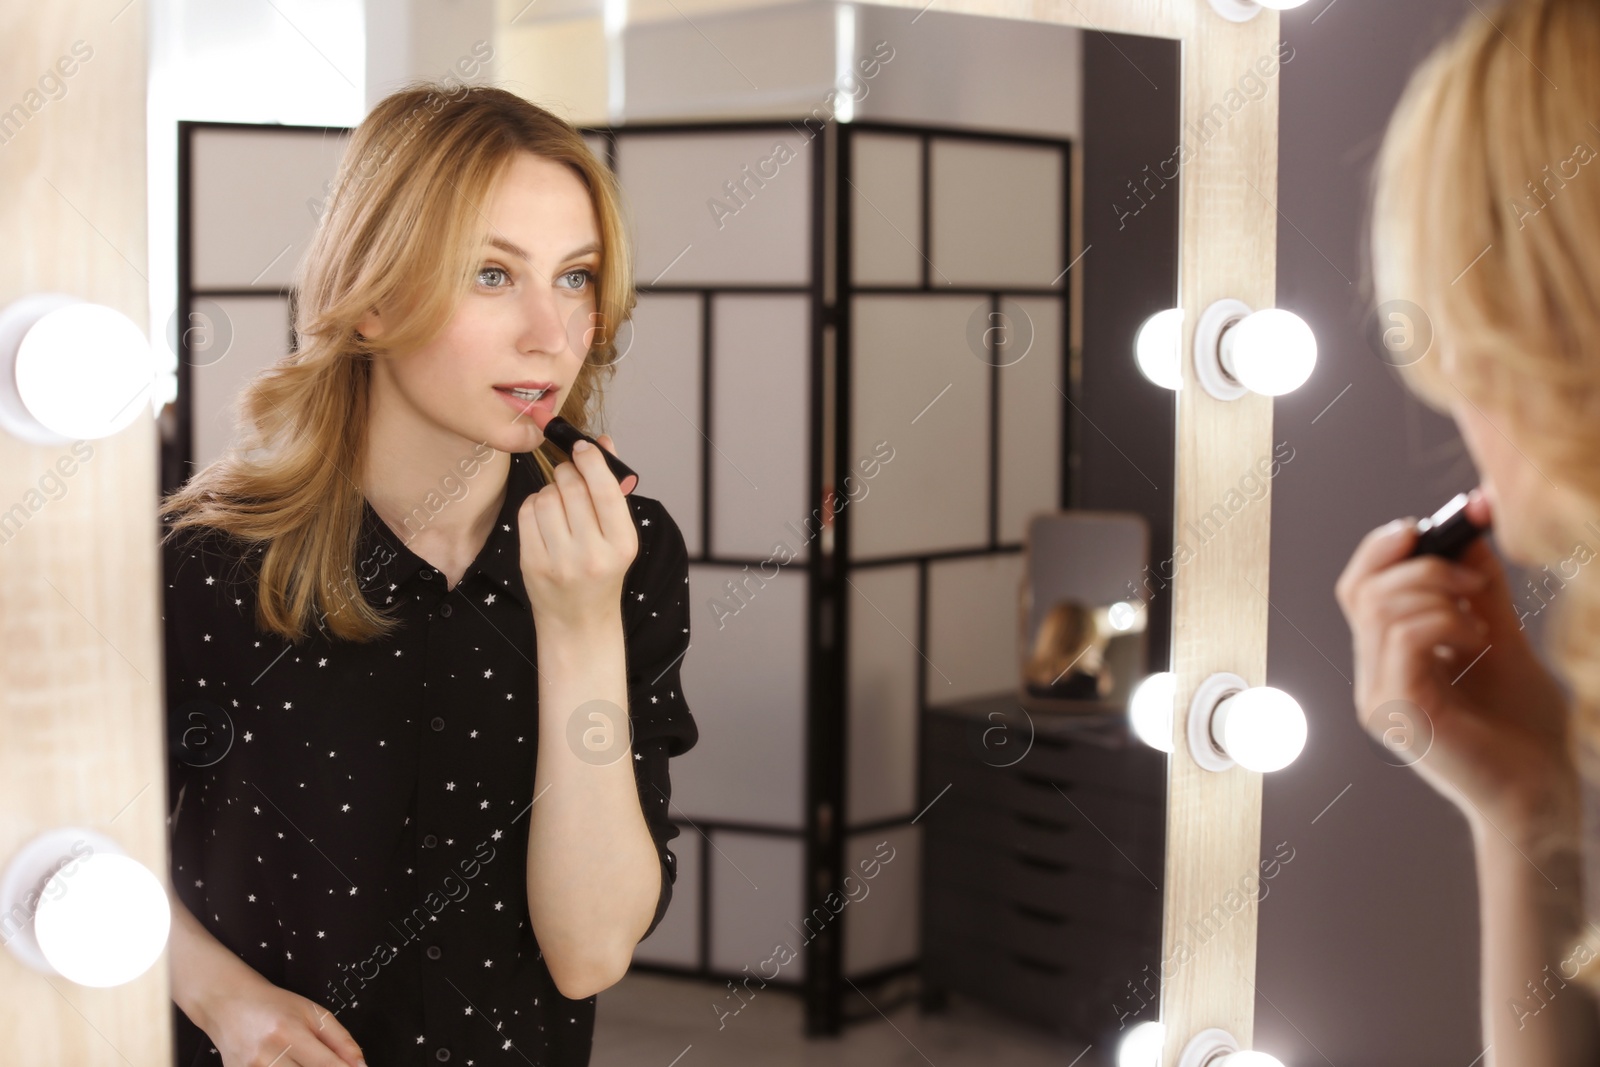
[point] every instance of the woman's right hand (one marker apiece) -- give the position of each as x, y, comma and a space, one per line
1492, 732
256, 1023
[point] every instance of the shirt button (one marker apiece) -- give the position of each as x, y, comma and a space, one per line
441, 1054
433, 952
437, 723
426, 574
429, 841
446, 610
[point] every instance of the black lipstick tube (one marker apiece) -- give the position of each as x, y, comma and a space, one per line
565, 435
1448, 531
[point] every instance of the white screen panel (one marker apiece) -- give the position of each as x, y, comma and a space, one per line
919, 386
995, 214
886, 210
677, 940
974, 623
882, 922
882, 744
756, 904
1030, 359
761, 406
726, 208
255, 196
744, 676
232, 340
652, 408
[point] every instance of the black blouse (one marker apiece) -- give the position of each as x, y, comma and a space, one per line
351, 819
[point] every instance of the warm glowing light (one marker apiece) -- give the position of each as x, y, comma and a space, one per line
1270, 352
104, 922
1261, 729
1150, 710
1142, 1046
1158, 348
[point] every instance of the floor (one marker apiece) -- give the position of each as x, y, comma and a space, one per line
653, 1020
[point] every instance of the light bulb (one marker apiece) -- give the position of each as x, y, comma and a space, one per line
1261, 729
1248, 1059
1158, 348
76, 370
1142, 1046
103, 923
1270, 352
1123, 616
1150, 710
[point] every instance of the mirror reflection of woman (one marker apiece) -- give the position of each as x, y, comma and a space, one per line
1486, 219
423, 669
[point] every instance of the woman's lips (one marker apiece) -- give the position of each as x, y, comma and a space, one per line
540, 411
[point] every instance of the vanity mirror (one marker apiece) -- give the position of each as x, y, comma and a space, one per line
888, 317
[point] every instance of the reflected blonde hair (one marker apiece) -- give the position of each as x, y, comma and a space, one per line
403, 232
1486, 212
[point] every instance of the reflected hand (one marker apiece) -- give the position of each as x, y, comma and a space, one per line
262, 1024
577, 541
1445, 637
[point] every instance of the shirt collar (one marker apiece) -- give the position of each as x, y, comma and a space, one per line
382, 559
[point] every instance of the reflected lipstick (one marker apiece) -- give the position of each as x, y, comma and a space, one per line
565, 435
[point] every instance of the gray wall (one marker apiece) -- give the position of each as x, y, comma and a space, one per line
1368, 950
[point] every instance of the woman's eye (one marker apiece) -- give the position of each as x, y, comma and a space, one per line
496, 271
580, 270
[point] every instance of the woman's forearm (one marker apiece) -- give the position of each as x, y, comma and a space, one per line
201, 966
1535, 1014
594, 875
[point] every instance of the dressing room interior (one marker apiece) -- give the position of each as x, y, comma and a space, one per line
1024, 394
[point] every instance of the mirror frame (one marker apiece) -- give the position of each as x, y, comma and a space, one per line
79, 649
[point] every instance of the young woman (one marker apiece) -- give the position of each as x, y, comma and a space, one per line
1486, 216
423, 673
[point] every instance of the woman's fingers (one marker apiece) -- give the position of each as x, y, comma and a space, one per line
606, 499
1381, 547
336, 1037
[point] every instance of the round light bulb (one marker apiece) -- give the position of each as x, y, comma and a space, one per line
1150, 710
1261, 729
1249, 1059
1158, 348
1141, 1047
1270, 352
76, 370
103, 923
1122, 616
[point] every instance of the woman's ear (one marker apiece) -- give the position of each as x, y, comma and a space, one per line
370, 325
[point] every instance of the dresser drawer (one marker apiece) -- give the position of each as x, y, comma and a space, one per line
956, 749
1082, 828
1002, 874
1086, 936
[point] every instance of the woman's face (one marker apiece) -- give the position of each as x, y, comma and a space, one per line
526, 320
1527, 507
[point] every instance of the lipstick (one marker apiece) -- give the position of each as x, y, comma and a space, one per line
1448, 531
565, 435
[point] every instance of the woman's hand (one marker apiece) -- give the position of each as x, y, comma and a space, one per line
578, 540
1444, 636
257, 1023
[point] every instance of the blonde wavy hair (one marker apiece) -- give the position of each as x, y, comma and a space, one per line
1485, 214
403, 232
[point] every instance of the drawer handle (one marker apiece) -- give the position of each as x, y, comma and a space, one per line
1037, 965
1040, 863
1040, 822
1039, 914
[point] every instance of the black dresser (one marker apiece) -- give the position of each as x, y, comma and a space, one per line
1042, 866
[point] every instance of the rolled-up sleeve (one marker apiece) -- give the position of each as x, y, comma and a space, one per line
656, 594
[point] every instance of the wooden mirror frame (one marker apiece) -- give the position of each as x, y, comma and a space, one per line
80, 597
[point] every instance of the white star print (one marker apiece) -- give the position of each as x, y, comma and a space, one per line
345, 808
208, 637
495, 836
287, 704
488, 963
252, 898
202, 681
473, 734
210, 580
482, 804
489, 599
497, 905
248, 735
323, 662
450, 786
489, 673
